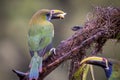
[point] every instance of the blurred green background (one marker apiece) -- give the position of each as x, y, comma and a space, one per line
14, 19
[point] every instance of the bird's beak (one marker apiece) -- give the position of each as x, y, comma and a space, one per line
57, 14
99, 61
93, 58
62, 15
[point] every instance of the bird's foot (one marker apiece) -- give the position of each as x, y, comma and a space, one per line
52, 50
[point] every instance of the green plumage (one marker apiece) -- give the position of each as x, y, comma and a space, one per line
41, 32
40, 36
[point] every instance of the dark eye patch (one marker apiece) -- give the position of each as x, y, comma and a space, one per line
48, 14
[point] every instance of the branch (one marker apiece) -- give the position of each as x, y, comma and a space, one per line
104, 25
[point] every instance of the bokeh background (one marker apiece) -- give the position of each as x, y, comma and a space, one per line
14, 19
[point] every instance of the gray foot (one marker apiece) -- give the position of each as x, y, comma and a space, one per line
52, 50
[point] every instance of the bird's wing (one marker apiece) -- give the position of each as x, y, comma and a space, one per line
45, 50
40, 39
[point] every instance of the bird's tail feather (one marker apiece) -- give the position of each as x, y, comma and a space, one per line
36, 66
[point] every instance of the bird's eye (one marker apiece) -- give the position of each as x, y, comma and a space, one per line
48, 14
52, 11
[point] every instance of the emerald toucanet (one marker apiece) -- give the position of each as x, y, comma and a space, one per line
100, 61
40, 35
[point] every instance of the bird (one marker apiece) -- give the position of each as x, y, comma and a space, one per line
100, 61
40, 35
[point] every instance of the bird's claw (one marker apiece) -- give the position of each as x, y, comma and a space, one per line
52, 50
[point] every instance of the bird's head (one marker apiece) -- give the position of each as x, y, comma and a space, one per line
99, 61
46, 14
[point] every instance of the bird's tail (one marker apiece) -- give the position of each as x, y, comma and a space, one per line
35, 66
